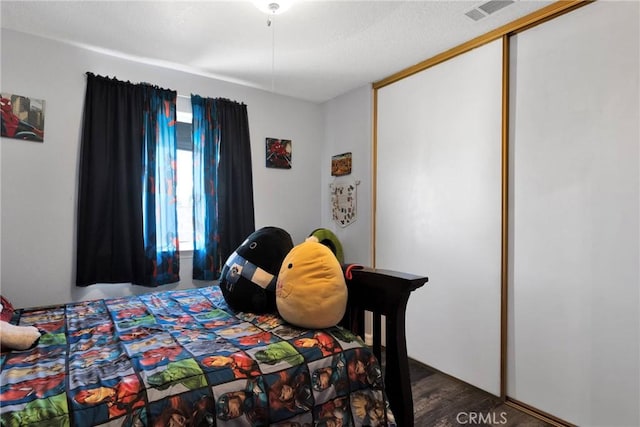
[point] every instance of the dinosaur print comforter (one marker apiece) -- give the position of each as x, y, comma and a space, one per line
184, 358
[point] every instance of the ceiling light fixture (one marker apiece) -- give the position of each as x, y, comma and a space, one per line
273, 7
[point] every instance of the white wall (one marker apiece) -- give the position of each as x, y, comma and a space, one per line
39, 181
348, 128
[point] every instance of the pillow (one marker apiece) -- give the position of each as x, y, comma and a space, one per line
14, 337
248, 278
330, 240
311, 291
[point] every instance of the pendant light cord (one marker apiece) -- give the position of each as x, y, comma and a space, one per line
273, 52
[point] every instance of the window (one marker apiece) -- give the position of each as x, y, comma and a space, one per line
184, 184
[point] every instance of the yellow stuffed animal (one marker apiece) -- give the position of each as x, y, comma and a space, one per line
311, 291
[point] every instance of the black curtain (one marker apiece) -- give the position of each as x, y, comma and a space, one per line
110, 244
235, 209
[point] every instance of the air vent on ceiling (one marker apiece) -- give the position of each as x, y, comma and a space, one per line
488, 8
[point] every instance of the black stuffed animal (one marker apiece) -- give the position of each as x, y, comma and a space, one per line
248, 278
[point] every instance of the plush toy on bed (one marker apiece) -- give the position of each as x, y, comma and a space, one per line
311, 291
248, 278
329, 239
14, 337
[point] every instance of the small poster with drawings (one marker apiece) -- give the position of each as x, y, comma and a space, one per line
343, 203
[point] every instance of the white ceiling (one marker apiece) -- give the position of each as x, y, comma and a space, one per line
315, 51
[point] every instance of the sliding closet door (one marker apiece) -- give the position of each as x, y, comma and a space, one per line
574, 207
438, 209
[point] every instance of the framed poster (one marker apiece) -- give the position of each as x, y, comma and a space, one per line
341, 164
278, 153
22, 117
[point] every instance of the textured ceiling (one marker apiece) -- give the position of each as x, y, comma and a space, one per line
315, 51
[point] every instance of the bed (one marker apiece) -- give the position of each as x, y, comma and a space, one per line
183, 357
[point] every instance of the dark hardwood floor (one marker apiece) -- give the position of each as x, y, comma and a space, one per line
440, 400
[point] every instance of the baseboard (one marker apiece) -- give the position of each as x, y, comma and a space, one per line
534, 412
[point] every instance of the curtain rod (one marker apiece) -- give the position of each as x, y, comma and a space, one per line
89, 73
217, 99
